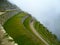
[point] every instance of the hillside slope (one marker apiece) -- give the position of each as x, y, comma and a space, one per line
18, 27
23, 28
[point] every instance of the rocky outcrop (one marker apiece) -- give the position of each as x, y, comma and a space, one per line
9, 9
4, 38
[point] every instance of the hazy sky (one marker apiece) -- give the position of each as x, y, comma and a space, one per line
45, 11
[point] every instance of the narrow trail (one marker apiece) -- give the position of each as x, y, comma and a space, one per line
36, 33
5, 15
6, 11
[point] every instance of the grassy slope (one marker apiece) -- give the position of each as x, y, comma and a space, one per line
27, 25
50, 38
22, 33
18, 32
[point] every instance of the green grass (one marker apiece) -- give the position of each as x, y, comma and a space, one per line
27, 22
18, 32
50, 38
22, 34
27, 25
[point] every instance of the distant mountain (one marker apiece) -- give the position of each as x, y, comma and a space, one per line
5, 5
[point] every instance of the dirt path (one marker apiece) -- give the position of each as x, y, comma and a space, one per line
36, 33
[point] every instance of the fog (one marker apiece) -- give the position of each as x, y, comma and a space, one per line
45, 11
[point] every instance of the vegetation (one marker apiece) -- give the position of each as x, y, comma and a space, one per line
49, 37
22, 33
18, 26
27, 25
15, 28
